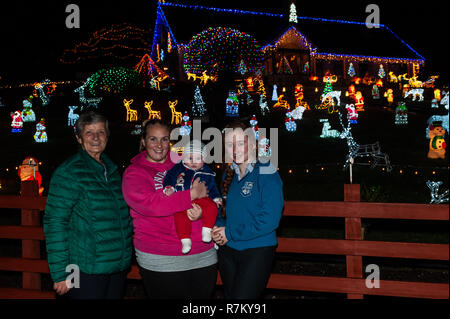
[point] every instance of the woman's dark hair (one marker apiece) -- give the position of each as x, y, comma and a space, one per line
90, 117
146, 124
229, 171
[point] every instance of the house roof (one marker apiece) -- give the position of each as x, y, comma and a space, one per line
326, 36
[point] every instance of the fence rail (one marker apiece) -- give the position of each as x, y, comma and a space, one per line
353, 247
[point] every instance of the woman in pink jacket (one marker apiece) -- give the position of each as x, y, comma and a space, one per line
165, 271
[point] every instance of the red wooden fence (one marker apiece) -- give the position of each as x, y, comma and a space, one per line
353, 247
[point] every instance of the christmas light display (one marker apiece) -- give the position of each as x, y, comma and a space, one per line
414, 83
352, 114
443, 121
356, 150
444, 100
437, 94
232, 105
389, 95
329, 98
437, 146
249, 83
435, 197
114, 80
293, 14
131, 114
289, 122
327, 132
264, 149
430, 82
148, 69
29, 171
284, 66
434, 104
274, 93
220, 49
263, 104
198, 107
42, 94
242, 68
381, 72
375, 92
281, 103
392, 77
254, 125
177, 117
87, 101
41, 135
186, 126
297, 113
27, 112
72, 117
417, 94
17, 122
401, 114
121, 42
137, 130
359, 101
351, 70
152, 114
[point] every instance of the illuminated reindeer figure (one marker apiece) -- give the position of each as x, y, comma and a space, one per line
435, 197
93, 101
131, 114
151, 114
176, 116
368, 150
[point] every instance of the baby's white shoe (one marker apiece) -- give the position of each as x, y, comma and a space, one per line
206, 234
187, 245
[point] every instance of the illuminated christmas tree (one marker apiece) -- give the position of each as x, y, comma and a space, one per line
293, 13
351, 70
328, 88
381, 72
198, 108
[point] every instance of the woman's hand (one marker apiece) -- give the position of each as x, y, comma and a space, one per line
61, 287
198, 189
218, 235
194, 213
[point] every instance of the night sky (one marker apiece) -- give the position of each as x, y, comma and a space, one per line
33, 34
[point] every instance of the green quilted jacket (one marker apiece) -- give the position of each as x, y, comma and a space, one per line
86, 220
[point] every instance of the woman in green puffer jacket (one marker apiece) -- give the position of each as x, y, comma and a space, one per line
86, 222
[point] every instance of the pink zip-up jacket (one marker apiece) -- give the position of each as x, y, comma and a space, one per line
153, 212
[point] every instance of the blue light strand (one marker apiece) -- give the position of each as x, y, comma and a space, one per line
234, 11
244, 12
409, 47
161, 19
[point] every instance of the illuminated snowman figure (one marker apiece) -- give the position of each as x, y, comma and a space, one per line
27, 112
289, 122
41, 135
254, 124
187, 125
232, 105
264, 147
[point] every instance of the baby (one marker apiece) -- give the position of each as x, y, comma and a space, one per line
179, 178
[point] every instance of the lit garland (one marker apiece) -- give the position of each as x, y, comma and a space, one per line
222, 49
363, 58
106, 42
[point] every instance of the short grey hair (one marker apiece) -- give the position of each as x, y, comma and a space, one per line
90, 117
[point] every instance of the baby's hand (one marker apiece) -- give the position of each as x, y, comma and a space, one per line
168, 190
218, 202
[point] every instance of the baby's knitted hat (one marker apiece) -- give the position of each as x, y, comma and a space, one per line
195, 147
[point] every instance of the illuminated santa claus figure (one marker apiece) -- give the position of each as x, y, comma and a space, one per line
17, 122
29, 171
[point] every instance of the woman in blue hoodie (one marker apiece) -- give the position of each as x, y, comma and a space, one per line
245, 230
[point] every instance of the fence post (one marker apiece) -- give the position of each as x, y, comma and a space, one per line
30, 248
353, 231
